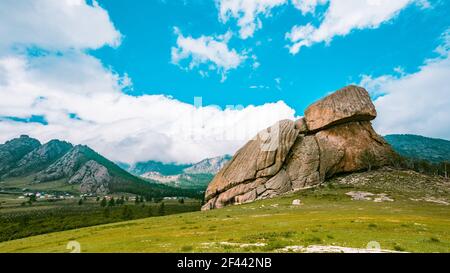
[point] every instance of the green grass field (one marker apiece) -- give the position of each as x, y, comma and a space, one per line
41, 217
19, 183
326, 217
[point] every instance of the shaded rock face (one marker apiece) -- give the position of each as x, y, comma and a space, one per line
92, 178
40, 158
262, 157
66, 166
14, 150
290, 156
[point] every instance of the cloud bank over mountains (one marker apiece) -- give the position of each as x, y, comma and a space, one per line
52, 87
82, 101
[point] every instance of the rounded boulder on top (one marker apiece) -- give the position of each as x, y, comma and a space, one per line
289, 156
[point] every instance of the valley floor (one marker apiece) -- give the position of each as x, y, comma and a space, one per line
409, 212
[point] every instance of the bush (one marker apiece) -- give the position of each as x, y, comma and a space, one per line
127, 213
161, 210
434, 240
368, 159
398, 248
186, 248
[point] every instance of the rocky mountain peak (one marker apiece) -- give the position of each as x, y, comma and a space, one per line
65, 166
332, 138
209, 165
13, 150
40, 158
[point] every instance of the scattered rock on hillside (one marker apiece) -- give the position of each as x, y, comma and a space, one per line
368, 196
289, 156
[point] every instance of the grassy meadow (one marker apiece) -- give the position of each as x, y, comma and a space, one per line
327, 216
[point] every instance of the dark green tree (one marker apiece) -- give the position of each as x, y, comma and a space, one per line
32, 198
127, 213
368, 159
149, 211
107, 212
161, 209
396, 161
112, 202
103, 203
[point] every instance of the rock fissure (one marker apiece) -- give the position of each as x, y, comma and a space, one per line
329, 140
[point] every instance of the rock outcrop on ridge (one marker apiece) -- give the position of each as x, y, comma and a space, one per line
14, 150
40, 158
92, 178
332, 138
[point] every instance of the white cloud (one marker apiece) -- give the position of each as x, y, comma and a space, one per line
207, 50
416, 103
308, 6
339, 19
56, 25
247, 13
67, 82
119, 126
342, 17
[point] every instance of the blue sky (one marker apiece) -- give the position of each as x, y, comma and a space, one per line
121, 76
148, 38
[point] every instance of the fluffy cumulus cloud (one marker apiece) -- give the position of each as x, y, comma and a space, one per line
308, 6
83, 102
210, 51
341, 17
415, 103
56, 25
92, 110
247, 13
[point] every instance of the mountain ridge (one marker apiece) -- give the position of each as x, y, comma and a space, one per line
435, 150
77, 165
186, 176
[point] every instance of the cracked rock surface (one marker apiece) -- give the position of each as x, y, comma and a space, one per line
291, 156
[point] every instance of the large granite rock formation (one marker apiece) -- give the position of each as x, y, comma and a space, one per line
332, 138
351, 103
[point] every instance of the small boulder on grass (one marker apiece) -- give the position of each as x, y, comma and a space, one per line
296, 202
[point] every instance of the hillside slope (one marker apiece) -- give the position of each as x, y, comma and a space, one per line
420, 147
195, 176
338, 216
209, 165
24, 163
